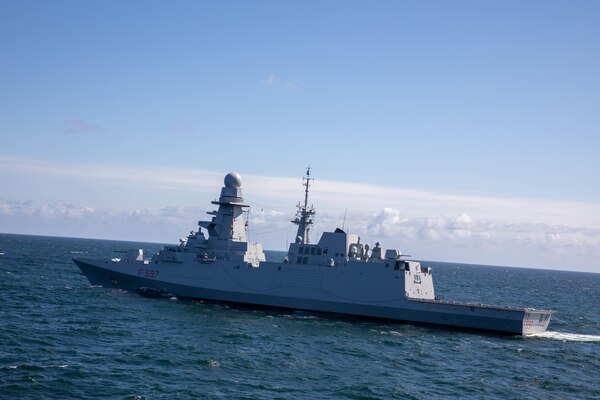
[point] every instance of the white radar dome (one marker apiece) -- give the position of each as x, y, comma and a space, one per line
233, 180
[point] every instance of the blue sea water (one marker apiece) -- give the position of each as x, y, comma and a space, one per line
62, 338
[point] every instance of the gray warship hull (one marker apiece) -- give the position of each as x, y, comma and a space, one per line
302, 287
338, 274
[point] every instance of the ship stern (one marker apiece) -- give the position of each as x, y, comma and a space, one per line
536, 321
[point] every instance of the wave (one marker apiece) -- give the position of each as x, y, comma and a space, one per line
32, 367
391, 333
566, 337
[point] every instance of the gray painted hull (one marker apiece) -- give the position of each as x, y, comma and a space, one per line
218, 282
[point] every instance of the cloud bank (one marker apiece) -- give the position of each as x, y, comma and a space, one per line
426, 224
460, 238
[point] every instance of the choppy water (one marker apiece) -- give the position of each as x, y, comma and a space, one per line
62, 338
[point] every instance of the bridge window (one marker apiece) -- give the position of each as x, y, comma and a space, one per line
312, 251
300, 250
299, 260
319, 251
305, 260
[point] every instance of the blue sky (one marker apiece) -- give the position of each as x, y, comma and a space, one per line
490, 106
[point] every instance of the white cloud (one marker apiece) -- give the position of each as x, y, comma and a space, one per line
326, 195
386, 223
429, 224
276, 82
155, 224
62, 211
140, 176
80, 127
466, 231
269, 80
460, 238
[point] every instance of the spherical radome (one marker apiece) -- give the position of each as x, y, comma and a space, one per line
233, 179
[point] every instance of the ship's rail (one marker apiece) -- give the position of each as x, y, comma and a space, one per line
481, 305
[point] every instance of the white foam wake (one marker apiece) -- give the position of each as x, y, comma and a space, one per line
566, 337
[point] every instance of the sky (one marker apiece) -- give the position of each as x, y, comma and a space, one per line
461, 131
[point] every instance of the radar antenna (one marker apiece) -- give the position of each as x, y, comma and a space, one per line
304, 215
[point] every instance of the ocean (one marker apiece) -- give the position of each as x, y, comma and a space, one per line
61, 338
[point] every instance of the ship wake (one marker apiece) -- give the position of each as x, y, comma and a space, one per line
566, 337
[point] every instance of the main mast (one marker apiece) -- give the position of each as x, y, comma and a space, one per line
304, 215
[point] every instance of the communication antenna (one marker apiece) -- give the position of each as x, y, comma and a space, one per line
306, 182
304, 215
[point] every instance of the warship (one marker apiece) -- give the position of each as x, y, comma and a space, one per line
338, 274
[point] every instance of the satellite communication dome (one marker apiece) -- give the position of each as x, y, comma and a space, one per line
233, 180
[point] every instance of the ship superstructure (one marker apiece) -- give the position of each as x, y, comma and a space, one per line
226, 230
338, 274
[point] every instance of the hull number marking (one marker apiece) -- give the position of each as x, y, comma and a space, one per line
148, 273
